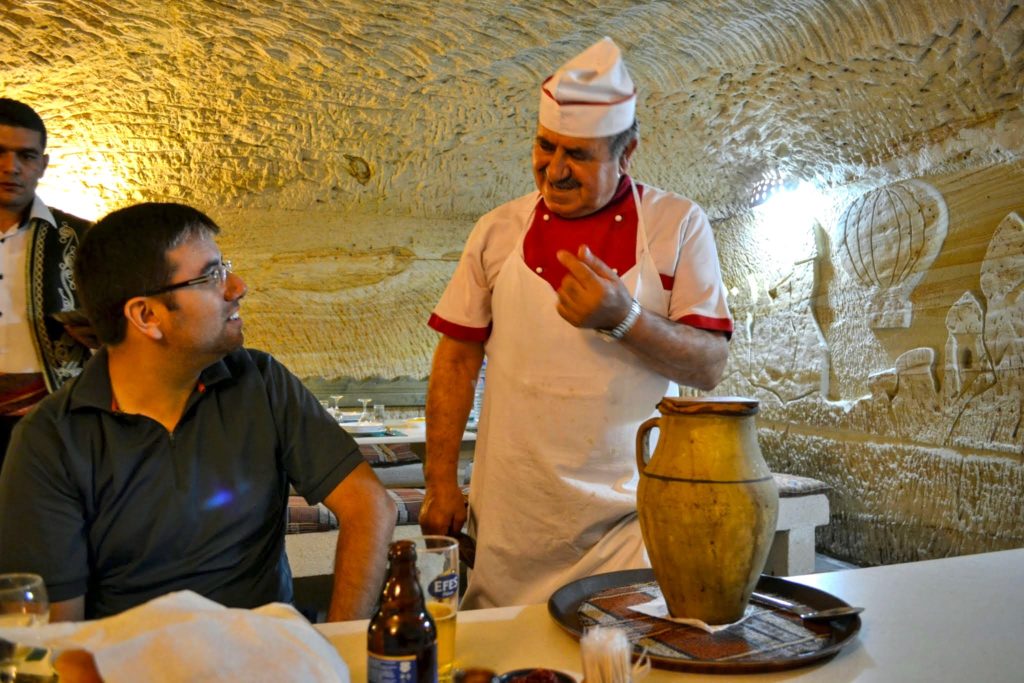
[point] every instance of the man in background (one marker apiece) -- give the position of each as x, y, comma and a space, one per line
166, 464
37, 249
588, 297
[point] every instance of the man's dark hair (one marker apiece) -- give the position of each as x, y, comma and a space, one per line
617, 143
125, 255
19, 115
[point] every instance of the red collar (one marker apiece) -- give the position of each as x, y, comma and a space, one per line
609, 232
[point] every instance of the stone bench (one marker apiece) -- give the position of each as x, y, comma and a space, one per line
802, 507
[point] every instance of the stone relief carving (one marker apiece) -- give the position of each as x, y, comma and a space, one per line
887, 239
327, 269
968, 368
789, 358
978, 404
916, 402
967, 361
993, 414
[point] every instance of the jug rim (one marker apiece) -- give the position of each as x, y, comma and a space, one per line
709, 405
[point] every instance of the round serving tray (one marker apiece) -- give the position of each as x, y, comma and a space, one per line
769, 639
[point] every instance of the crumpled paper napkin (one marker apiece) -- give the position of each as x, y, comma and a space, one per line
184, 637
659, 609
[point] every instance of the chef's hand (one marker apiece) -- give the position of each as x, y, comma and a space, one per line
443, 511
591, 295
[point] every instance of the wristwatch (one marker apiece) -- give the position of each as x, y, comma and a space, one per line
620, 330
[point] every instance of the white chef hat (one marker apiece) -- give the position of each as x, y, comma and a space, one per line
591, 95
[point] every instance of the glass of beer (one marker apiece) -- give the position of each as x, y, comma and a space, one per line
437, 561
23, 602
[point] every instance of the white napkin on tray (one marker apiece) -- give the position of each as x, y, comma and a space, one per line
184, 637
658, 608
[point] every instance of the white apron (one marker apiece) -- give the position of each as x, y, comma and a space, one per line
553, 493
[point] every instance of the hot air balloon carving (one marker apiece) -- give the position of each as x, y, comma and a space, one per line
887, 238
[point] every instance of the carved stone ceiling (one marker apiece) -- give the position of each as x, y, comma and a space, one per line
348, 147
432, 103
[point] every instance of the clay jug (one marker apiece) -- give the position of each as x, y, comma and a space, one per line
707, 504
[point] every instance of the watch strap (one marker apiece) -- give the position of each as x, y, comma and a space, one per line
620, 330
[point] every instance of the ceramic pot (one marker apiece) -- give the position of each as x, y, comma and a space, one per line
707, 504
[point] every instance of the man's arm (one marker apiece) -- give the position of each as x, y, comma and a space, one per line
42, 522
68, 610
593, 296
366, 519
449, 399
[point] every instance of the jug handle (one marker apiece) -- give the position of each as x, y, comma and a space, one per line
643, 443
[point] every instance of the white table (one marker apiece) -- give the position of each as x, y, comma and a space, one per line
413, 432
956, 619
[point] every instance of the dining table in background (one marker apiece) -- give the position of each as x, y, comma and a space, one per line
413, 433
404, 431
957, 619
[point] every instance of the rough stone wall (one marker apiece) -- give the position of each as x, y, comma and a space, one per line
347, 148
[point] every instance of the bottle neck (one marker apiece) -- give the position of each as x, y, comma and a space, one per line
401, 586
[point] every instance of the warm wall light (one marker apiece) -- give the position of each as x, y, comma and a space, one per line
770, 185
87, 189
787, 217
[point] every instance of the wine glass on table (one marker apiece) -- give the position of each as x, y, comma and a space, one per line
365, 416
336, 402
23, 602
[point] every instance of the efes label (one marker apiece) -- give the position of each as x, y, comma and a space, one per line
396, 669
444, 586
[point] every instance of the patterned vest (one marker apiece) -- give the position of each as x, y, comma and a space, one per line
51, 288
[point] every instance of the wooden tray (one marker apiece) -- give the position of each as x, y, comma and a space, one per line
769, 639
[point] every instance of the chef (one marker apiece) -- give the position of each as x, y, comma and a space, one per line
587, 297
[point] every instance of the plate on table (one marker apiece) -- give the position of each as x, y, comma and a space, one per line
352, 416
769, 639
364, 427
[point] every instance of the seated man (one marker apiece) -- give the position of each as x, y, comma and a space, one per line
166, 464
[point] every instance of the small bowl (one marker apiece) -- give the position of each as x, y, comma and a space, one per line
559, 676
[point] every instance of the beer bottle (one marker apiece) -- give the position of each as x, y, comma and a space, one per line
401, 642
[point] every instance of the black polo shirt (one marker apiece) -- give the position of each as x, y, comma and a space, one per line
114, 507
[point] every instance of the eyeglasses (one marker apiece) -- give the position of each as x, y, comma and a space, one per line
218, 275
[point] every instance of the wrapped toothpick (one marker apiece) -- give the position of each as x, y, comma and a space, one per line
607, 657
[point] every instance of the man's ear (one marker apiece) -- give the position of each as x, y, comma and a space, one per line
143, 317
627, 154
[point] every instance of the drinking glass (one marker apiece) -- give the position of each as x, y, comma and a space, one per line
437, 563
365, 415
336, 401
378, 412
23, 602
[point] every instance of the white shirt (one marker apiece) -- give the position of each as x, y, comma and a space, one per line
681, 243
19, 352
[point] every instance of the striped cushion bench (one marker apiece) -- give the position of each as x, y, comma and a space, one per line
388, 455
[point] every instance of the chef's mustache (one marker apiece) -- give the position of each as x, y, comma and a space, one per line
566, 184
